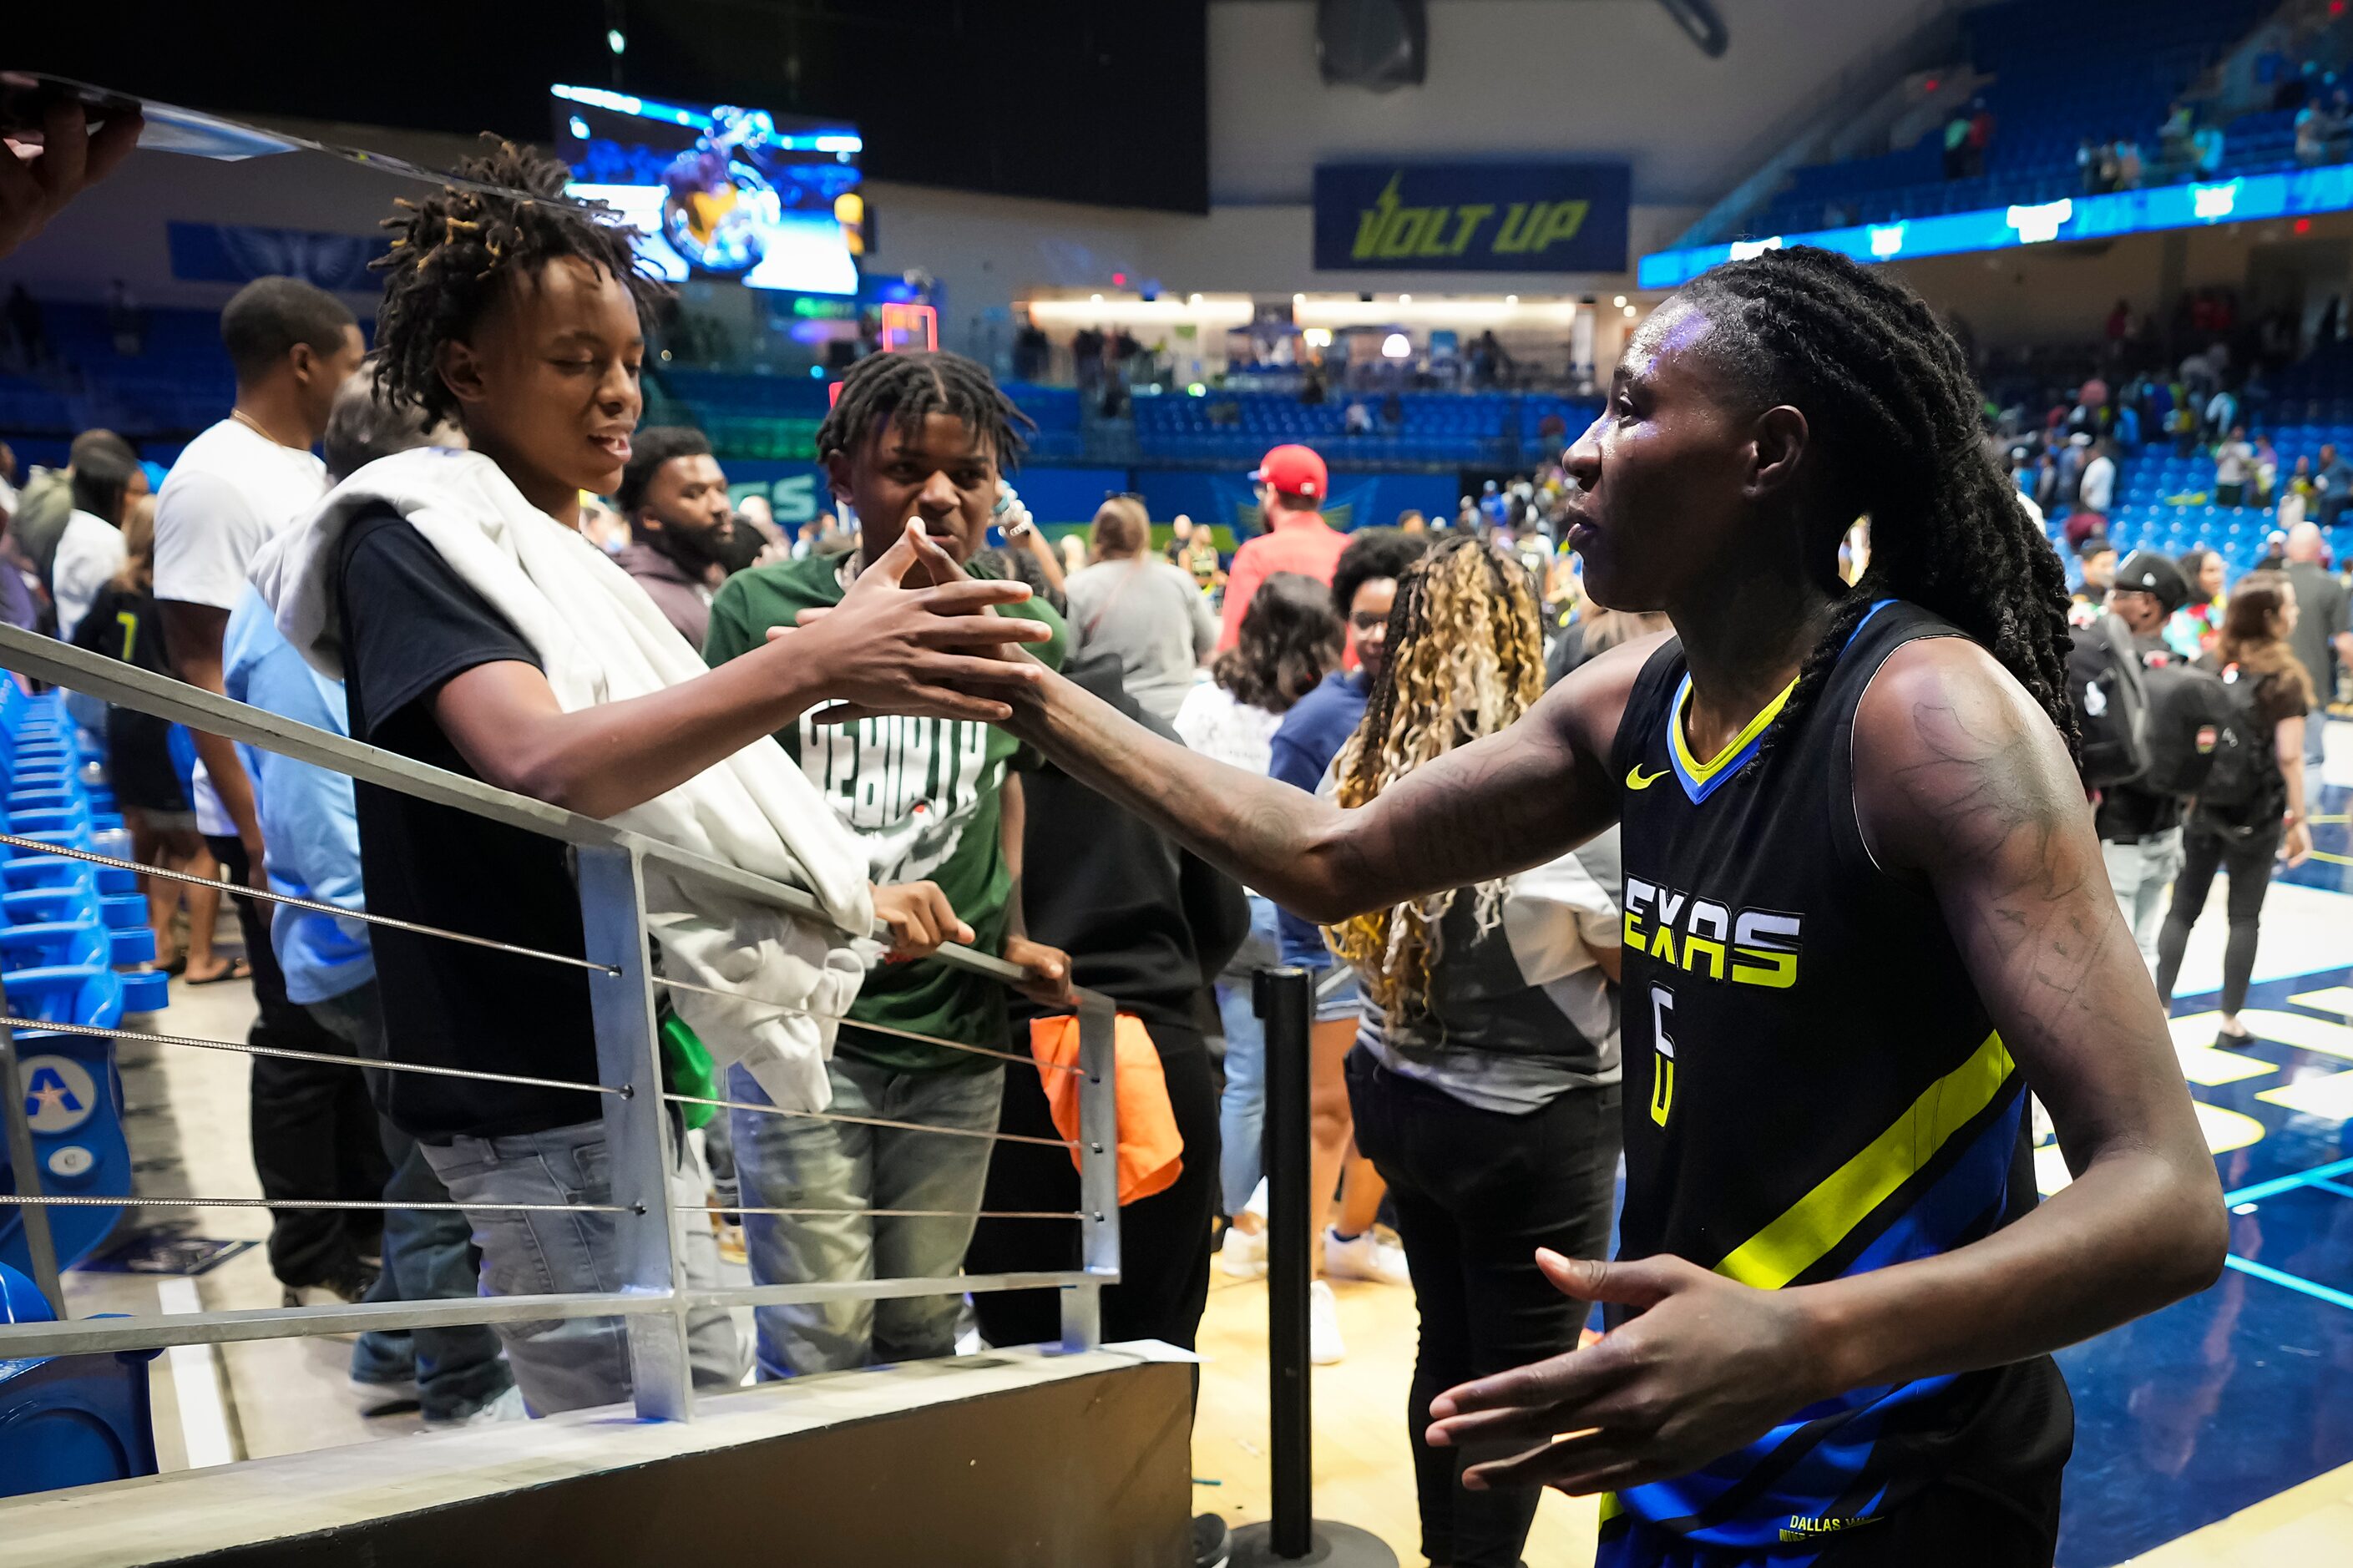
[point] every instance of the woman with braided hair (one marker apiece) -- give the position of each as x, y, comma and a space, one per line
1484, 1079
1864, 911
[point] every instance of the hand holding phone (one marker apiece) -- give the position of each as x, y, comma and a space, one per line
51, 155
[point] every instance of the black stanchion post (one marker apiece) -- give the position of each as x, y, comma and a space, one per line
1285, 1003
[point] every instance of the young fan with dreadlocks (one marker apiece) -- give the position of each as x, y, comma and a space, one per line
1864, 910
518, 314
1485, 1080
920, 440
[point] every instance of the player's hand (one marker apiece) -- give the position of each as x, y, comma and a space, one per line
1709, 1367
2296, 848
1048, 967
920, 917
69, 160
932, 652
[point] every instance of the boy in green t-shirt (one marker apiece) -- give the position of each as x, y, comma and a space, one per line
914, 435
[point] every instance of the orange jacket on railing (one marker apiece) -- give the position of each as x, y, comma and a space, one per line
1151, 1150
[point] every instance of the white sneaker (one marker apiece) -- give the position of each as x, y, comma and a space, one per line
1366, 1257
1242, 1255
1323, 1344
507, 1407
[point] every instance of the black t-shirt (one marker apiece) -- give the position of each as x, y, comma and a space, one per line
1144, 922
410, 625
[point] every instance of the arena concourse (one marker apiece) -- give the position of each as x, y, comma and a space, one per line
1657, 695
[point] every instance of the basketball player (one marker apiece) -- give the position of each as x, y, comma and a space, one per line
1864, 911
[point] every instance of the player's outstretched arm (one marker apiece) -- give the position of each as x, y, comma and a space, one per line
1961, 783
889, 646
1514, 800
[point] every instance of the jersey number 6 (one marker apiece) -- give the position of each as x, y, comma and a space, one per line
1662, 1077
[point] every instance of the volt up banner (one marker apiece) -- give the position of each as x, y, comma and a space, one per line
1471, 218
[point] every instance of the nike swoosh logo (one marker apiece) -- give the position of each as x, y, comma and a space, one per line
1636, 779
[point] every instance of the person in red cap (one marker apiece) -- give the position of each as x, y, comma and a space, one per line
1292, 489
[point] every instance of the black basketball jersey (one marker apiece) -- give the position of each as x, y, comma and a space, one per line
1813, 1089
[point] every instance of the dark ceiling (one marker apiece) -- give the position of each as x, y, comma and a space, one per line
1104, 103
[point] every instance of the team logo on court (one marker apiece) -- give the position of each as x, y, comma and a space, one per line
1700, 936
59, 1094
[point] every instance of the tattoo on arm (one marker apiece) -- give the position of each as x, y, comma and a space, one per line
2013, 827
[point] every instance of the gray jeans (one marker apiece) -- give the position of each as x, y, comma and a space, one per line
2140, 870
795, 1162
570, 1364
428, 1255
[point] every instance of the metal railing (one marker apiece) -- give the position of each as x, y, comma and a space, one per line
609, 871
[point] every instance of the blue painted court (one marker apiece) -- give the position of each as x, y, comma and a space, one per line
2244, 1391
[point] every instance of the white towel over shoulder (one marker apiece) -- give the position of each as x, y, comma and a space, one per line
601, 639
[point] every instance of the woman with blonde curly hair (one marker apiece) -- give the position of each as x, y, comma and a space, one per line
1485, 1075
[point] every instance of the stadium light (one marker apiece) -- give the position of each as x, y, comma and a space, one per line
1511, 298
614, 41
1405, 298
1619, 301
1397, 346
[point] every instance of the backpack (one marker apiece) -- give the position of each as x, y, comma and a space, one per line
2104, 682
2241, 777
2188, 730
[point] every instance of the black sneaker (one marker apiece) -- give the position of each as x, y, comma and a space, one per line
1212, 1541
346, 1284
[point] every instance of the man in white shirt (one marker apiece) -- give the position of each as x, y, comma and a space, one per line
2232, 457
2099, 483
234, 489
241, 481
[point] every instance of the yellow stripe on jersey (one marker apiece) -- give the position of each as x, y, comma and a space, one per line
1823, 1218
1698, 770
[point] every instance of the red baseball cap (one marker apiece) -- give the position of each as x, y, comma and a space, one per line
1293, 471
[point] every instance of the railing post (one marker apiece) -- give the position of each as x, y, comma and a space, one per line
640, 1138
39, 1246
1285, 1004
1098, 1174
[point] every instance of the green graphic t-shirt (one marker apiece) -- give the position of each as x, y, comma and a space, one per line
926, 795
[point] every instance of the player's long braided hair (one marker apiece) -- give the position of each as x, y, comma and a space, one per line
453, 250
1465, 659
1890, 401
908, 387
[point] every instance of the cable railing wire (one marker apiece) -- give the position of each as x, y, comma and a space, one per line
870, 1028
871, 1121
47, 1026
892, 1214
24, 1200
36, 846
624, 1091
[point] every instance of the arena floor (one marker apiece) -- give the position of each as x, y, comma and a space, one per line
2218, 1432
